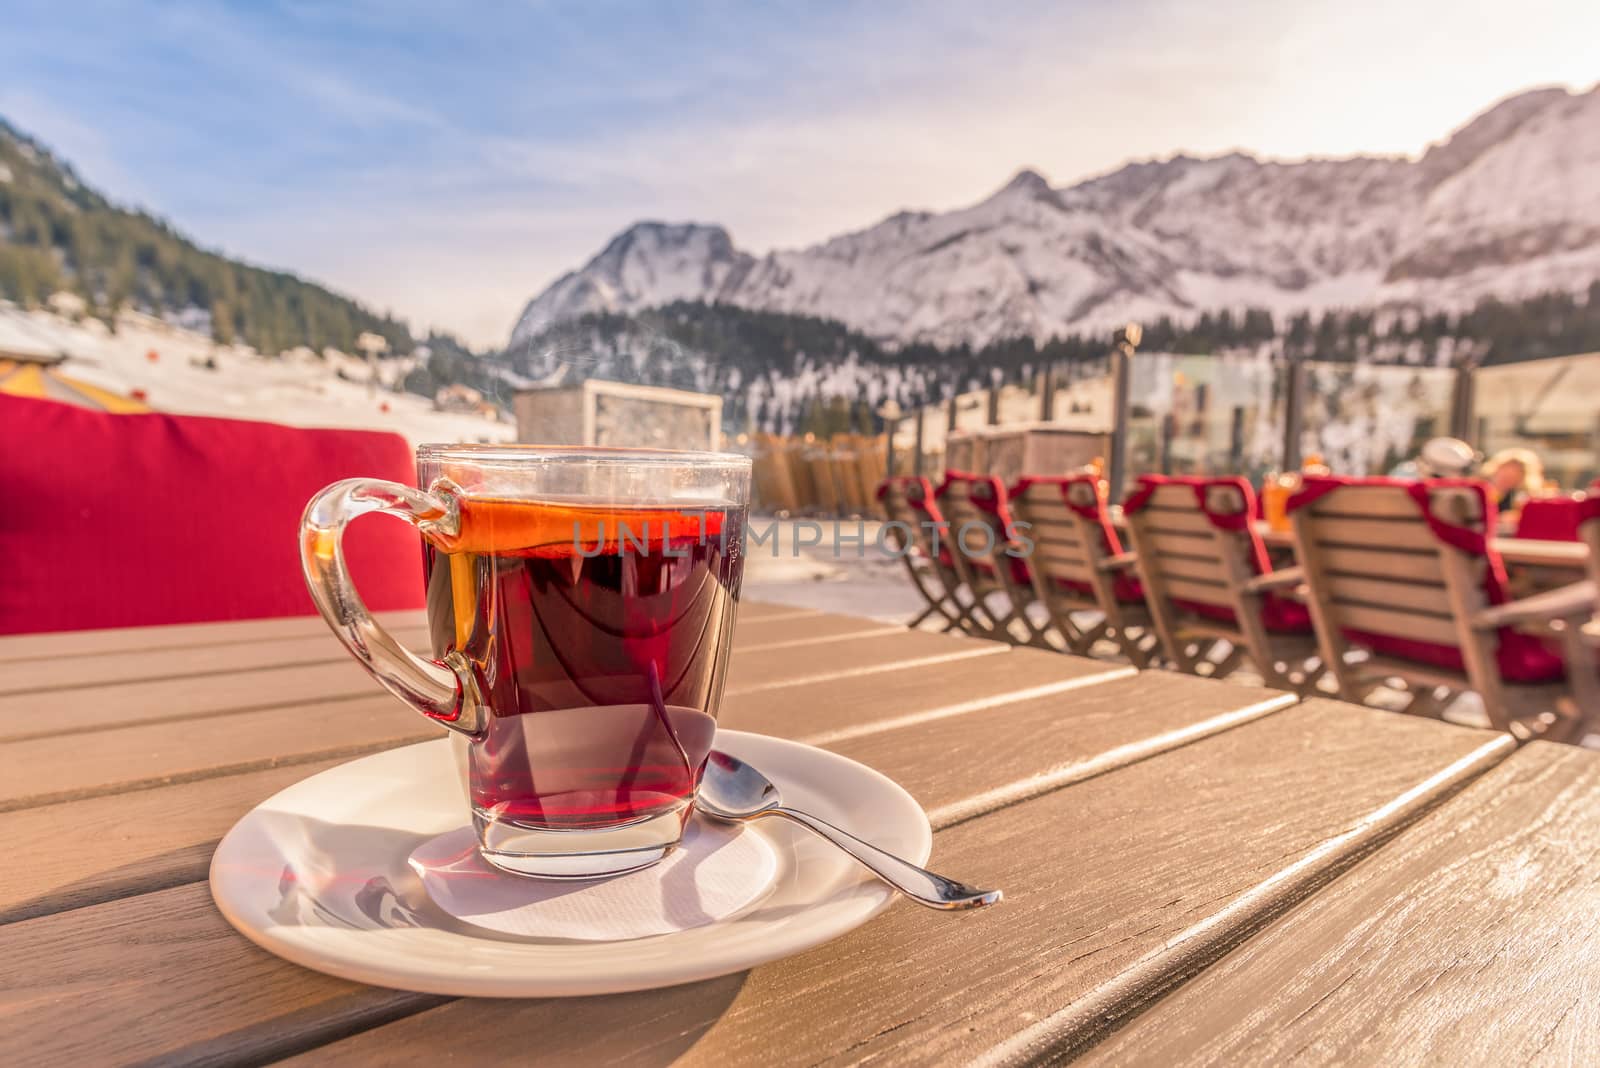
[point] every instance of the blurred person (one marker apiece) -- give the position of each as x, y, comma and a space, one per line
1439, 458
1516, 475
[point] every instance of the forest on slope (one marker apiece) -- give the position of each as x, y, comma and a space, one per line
56, 233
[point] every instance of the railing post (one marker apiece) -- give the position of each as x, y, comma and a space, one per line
890, 414
1169, 428
916, 461
1463, 399
992, 415
1294, 393
1123, 345
1047, 393
1236, 442
1596, 452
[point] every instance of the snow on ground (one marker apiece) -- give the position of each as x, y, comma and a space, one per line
193, 375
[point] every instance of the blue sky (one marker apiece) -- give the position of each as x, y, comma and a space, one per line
448, 161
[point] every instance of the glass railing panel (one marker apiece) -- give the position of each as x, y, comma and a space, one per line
1549, 406
1368, 419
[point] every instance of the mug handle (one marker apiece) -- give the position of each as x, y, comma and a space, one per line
446, 691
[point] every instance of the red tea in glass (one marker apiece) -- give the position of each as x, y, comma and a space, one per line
585, 613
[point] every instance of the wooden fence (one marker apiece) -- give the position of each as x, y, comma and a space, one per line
813, 476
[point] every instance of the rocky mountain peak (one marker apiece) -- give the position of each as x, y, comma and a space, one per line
1487, 129
1026, 182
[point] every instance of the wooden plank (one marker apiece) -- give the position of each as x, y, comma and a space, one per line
1190, 568
799, 630
63, 766
80, 670
1412, 596
163, 836
1421, 566
758, 610
760, 614
1059, 560
1051, 533
1176, 521
134, 654
1031, 745
137, 972
1162, 544
1046, 508
1176, 498
141, 841
69, 765
815, 711
765, 669
286, 684
1373, 533
1468, 939
178, 636
1379, 502
162, 936
1392, 621
1062, 535
1063, 569
1136, 870
1192, 590
844, 631
24, 715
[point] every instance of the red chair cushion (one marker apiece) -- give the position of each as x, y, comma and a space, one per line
136, 520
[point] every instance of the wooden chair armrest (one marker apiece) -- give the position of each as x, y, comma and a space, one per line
1568, 602
1119, 562
1288, 576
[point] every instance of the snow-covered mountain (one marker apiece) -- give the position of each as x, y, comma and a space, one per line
1507, 206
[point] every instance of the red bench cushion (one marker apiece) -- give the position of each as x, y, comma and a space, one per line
1550, 519
136, 520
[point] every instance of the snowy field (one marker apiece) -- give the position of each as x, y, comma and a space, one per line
192, 375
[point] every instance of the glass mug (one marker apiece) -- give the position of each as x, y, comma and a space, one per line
581, 607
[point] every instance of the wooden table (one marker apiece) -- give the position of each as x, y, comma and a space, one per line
1194, 870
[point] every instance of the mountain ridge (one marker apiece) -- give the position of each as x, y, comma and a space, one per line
1500, 207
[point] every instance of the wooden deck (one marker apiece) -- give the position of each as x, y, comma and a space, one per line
1194, 870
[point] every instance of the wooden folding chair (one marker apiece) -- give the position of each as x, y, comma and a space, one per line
913, 521
1589, 534
1207, 578
982, 542
1404, 571
1077, 565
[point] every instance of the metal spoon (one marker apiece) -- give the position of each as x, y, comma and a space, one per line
735, 792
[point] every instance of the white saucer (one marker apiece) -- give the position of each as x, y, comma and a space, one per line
319, 875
